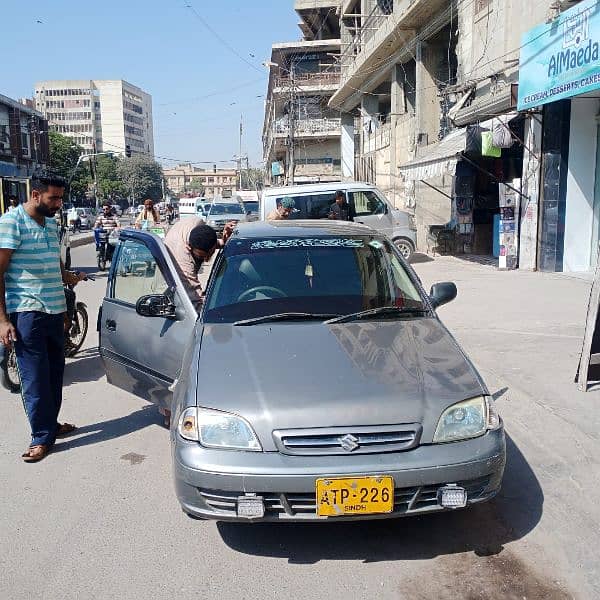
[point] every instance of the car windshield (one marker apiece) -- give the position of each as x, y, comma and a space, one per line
225, 209
251, 206
324, 276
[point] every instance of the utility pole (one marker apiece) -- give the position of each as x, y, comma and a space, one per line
240, 154
291, 128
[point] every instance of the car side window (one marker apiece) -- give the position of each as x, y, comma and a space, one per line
367, 202
136, 273
311, 206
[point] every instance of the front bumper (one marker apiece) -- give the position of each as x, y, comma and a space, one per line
208, 482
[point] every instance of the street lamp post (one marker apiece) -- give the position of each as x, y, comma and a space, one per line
84, 157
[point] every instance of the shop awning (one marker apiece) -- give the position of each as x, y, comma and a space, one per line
438, 159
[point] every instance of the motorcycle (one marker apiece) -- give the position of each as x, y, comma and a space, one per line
75, 335
105, 246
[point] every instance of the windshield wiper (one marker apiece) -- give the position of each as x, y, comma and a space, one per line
288, 316
382, 311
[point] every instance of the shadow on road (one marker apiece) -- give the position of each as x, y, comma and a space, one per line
419, 257
483, 529
85, 366
111, 429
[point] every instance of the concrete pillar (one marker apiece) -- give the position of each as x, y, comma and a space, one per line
347, 147
398, 109
369, 108
531, 187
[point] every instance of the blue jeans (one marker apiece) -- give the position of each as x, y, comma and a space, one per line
41, 360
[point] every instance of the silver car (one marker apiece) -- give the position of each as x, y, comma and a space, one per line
318, 382
221, 213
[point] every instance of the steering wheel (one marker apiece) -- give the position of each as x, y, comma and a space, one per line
261, 288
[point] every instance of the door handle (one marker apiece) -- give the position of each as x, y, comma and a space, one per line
111, 325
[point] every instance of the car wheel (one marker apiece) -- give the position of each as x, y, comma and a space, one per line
405, 247
68, 259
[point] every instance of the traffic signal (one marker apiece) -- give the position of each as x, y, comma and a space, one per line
128, 151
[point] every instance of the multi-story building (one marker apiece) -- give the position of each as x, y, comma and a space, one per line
301, 134
187, 178
433, 88
23, 148
100, 115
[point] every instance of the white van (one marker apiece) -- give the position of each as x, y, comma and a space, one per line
191, 207
368, 205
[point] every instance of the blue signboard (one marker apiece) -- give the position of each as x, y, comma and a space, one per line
561, 59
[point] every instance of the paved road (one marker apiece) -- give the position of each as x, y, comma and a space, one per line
98, 518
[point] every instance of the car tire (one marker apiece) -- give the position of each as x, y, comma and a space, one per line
405, 247
68, 259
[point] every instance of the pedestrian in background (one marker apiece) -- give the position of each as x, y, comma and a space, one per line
340, 209
13, 203
33, 306
149, 217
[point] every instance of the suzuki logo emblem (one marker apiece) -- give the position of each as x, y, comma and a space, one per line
349, 442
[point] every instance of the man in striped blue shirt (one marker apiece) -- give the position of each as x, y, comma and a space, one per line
32, 307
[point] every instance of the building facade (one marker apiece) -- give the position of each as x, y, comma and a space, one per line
100, 115
23, 148
301, 133
186, 178
428, 100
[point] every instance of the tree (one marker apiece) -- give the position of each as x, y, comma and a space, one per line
110, 184
142, 177
64, 154
195, 185
253, 179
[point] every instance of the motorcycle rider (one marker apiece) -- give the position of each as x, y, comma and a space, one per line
109, 223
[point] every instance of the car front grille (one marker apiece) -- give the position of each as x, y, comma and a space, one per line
409, 500
348, 440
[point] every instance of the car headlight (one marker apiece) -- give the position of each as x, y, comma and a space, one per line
467, 419
217, 429
211, 222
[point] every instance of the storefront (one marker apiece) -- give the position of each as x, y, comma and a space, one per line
559, 83
468, 179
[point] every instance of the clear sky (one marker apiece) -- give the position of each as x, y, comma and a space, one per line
200, 85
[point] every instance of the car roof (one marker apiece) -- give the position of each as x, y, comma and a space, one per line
302, 228
317, 187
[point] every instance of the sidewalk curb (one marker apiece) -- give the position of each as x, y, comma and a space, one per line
82, 241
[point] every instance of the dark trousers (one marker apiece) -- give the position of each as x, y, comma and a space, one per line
41, 360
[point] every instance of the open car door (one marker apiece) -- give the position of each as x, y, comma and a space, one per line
146, 319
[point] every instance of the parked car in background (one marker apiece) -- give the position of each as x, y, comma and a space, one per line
221, 213
252, 208
117, 210
192, 207
367, 203
86, 218
346, 396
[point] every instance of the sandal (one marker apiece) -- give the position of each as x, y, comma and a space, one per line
35, 453
64, 429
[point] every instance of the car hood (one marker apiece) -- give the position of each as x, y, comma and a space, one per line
305, 375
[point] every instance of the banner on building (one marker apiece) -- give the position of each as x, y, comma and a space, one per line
560, 59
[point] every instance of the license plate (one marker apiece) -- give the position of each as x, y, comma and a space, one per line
355, 496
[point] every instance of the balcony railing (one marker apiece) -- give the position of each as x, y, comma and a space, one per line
309, 79
353, 48
309, 126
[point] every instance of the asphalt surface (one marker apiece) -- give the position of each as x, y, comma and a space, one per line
99, 519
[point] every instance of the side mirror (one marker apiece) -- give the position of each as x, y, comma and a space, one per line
155, 305
442, 293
